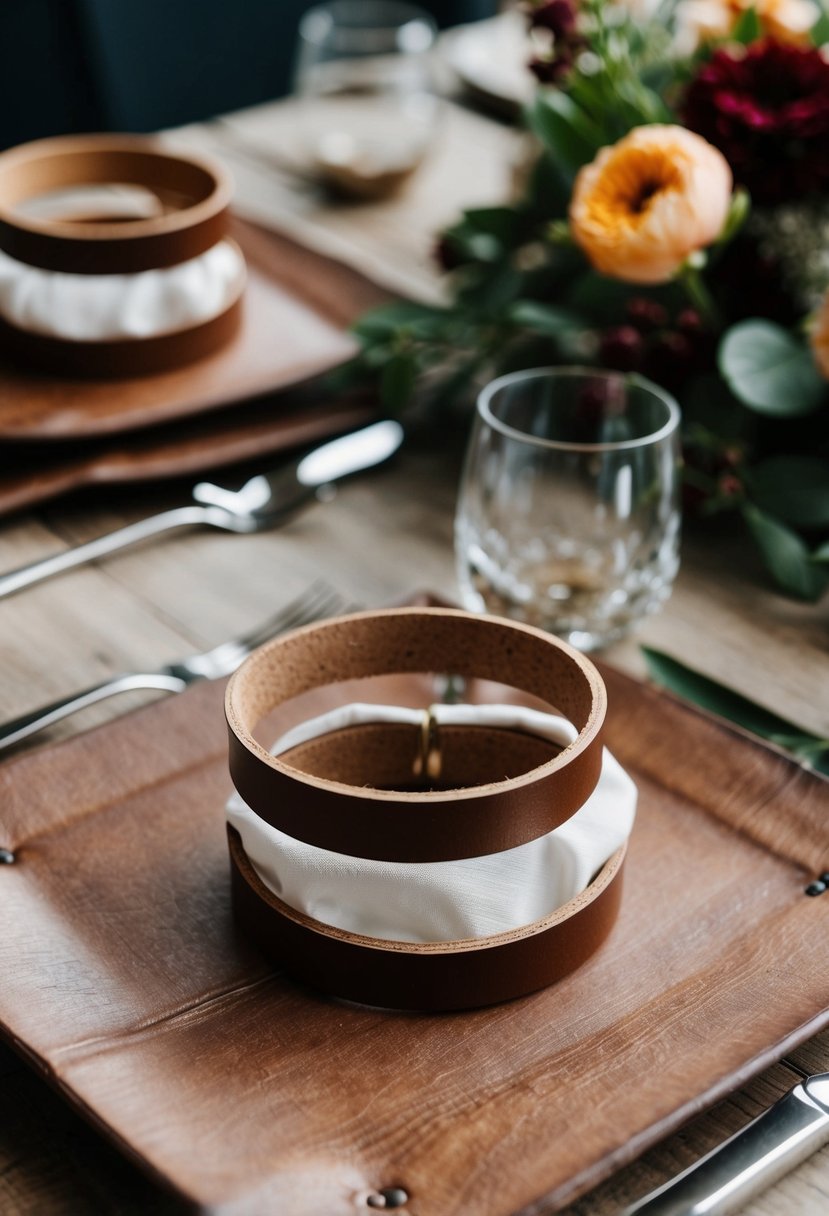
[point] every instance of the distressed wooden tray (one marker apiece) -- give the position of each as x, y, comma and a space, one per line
296, 310
125, 983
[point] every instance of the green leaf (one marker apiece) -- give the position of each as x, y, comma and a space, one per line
769, 370
821, 554
398, 381
569, 133
498, 222
738, 212
786, 556
717, 699
748, 29
381, 324
544, 318
819, 32
548, 191
793, 488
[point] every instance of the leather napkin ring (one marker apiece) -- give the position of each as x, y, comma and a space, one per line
430, 825
426, 976
195, 194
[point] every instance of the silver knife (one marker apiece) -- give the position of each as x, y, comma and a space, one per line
772, 1144
260, 504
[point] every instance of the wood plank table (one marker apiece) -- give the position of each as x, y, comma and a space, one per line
383, 536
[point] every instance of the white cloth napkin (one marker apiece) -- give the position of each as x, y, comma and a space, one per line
442, 900
105, 307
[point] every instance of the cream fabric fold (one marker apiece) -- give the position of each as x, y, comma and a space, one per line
106, 307
442, 900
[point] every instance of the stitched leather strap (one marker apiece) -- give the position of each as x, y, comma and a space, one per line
195, 193
435, 825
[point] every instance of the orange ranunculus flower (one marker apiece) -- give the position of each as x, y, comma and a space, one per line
819, 337
701, 21
649, 201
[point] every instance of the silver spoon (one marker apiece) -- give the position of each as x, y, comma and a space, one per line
260, 504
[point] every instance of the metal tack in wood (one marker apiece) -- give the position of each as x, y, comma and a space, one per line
388, 1198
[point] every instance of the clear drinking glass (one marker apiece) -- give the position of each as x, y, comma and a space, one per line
365, 80
568, 513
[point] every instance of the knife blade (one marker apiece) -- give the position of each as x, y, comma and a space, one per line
263, 502
748, 1162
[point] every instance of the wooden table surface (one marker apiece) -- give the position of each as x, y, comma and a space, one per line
384, 536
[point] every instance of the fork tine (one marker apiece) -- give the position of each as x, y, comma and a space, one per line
317, 601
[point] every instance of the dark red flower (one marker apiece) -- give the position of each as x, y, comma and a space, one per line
557, 16
767, 110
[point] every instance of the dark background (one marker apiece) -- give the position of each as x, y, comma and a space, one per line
140, 65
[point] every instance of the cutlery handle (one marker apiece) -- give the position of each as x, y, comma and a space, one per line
725, 1179
21, 728
180, 517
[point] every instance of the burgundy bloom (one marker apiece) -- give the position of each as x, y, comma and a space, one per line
557, 16
767, 110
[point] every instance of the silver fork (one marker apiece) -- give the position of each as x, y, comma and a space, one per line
312, 605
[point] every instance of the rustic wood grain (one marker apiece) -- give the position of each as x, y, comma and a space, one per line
120, 879
382, 536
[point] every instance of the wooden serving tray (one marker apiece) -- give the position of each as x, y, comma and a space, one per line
296, 310
33, 473
125, 983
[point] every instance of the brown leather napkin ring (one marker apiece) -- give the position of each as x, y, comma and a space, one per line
195, 192
426, 976
432, 825
195, 195
467, 820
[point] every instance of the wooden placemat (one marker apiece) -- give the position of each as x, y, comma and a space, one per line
124, 981
297, 307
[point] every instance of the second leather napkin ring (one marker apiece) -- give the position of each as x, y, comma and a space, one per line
130, 324
424, 824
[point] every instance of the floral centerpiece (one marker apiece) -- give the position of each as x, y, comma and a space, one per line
675, 223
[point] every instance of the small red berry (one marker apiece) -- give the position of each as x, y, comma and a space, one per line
622, 348
646, 314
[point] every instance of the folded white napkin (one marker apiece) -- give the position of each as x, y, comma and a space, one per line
105, 307
442, 900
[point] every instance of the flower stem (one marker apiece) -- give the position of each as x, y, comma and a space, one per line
697, 291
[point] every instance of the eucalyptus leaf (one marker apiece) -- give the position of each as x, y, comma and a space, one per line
733, 706
769, 370
786, 556
792, 488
